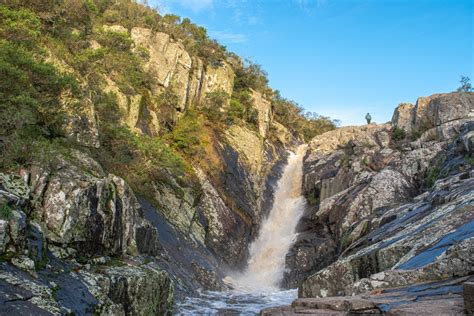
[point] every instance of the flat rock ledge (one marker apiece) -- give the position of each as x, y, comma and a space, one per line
446, 297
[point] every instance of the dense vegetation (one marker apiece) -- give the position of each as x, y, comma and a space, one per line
46, 54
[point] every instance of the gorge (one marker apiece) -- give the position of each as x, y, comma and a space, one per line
146, 170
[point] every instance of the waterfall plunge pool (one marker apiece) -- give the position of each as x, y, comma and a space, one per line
234, 302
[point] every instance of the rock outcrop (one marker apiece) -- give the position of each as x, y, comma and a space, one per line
437, 110
388, 212
437, 298
173, 67
53, 220
93, 212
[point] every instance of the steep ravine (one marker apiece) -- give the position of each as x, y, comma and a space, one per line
145, 170
77, 238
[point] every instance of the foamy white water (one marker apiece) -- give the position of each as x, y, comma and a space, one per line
258, 286
266, 264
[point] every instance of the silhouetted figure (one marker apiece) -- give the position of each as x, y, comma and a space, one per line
368, 118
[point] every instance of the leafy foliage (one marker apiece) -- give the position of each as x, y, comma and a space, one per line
187, 136
398, 134
19, 26
465, 84
308, 125
31, 113
5, 212
250, 76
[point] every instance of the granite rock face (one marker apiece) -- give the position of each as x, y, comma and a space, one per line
93, 212
86, 289
434, 110
388, 212
54, 220
172, 67
437, 298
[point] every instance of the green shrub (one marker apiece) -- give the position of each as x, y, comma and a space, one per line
214, 107
115, 40
6, 212
433, 174
236, 110
186, 137
398, 134
21, 26
216, 99
250, 76
33, 89
365, 161
469, 159
313, 199
307, 125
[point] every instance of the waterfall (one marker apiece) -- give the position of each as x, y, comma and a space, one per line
266, 263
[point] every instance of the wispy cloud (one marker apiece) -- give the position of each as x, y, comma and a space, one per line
310, 5
166, 6
197, 5
228, 37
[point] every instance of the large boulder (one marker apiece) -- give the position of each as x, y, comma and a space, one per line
93, 212
403, 117
433, 111
70, 288
131, 290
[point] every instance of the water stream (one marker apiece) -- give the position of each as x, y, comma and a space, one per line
257, 286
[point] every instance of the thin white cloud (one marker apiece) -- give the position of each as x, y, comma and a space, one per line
196, 5
310, 5
167, 6
227, 37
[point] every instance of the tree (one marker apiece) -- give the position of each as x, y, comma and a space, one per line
465, 84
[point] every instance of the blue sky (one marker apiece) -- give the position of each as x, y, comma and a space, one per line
345, 58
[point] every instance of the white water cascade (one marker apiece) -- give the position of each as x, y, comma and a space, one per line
266, 264
258, 286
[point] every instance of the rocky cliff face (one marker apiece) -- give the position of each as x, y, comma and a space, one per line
73, 229
388, 210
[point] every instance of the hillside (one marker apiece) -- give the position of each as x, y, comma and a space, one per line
127, 136
140, 162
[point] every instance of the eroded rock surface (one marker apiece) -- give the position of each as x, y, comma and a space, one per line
437, 298
388, 212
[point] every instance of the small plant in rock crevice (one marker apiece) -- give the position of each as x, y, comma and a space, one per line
398, 134
6, 212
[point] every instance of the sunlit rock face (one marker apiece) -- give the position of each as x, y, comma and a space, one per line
444, 111
172, 67
381, 202
94, 212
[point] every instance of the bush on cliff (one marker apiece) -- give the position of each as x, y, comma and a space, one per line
398, 134
292, 115
188, 135
31, 112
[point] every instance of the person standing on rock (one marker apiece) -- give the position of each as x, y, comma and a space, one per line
368, 118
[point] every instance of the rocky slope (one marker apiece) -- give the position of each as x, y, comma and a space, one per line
392, 205
78, 233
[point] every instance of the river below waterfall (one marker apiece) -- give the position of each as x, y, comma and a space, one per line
234, 302
257, 287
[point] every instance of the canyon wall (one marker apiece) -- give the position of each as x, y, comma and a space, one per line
75, 229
